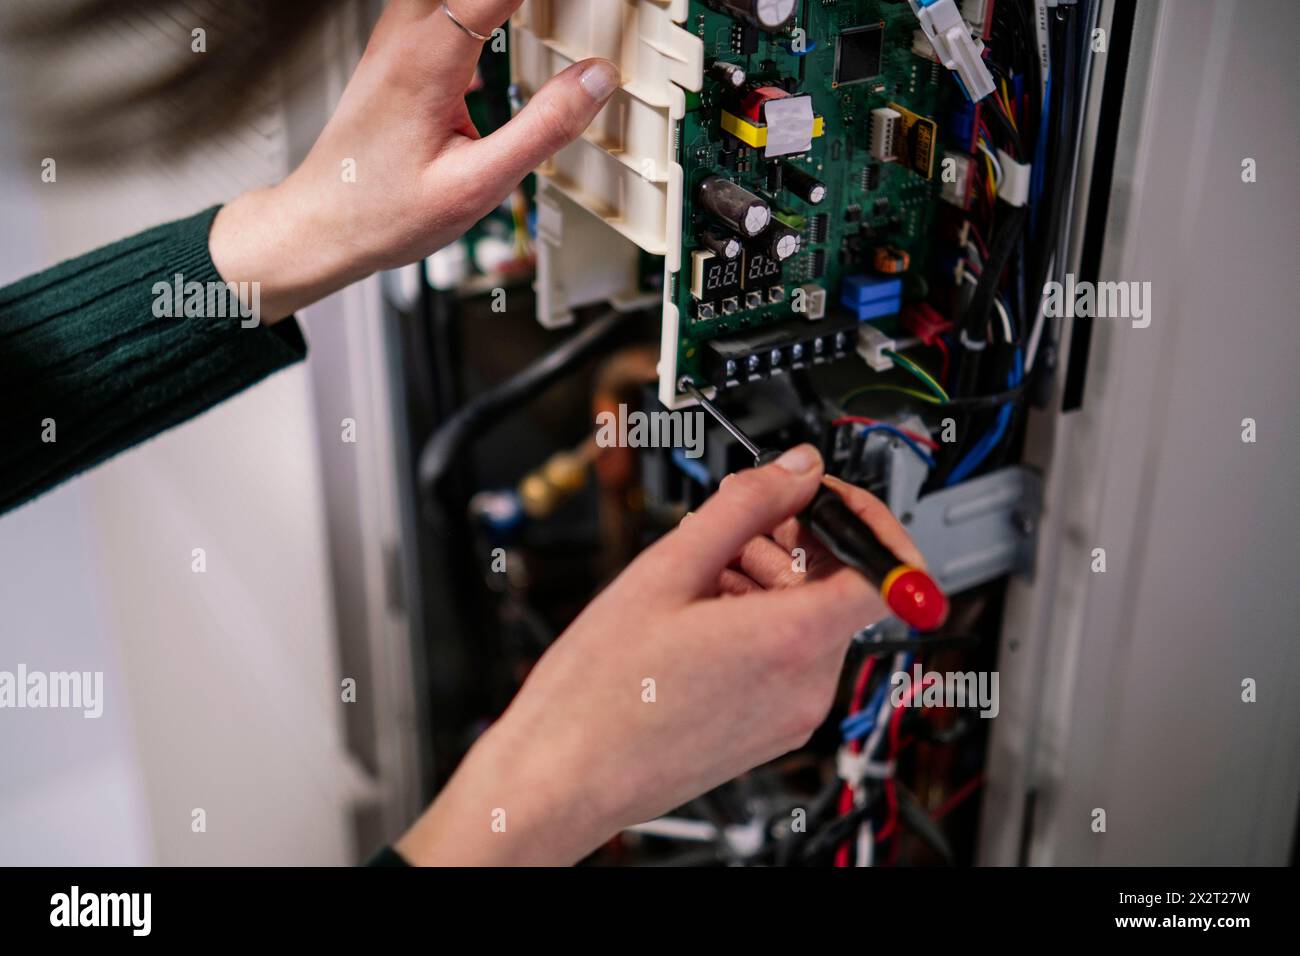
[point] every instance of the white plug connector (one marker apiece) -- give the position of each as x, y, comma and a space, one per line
1016, 178
872, 346
953, 43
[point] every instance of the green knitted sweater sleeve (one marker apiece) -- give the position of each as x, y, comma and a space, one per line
88, 368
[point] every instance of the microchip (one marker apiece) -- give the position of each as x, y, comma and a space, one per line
818, 263
857, 54
819, 229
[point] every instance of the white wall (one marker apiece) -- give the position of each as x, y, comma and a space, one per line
221, 688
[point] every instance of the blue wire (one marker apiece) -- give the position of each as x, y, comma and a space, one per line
984, 447
1039, 178
859, 725
903, 437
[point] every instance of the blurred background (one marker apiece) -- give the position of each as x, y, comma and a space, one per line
222, 690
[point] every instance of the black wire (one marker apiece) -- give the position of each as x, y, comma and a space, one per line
977, 315
1067, 93
471, 421
911, 813
840, 829
919, 645
987, 403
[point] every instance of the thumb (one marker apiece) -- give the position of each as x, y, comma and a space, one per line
749, 503
555, 116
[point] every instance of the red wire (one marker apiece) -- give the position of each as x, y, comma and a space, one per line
891, 792
846, 792
942, 346
859, 420
956, 799
959, 796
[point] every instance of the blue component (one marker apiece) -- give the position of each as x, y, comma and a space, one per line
861, 290
876, 310
501, 513
962, 124
692, 467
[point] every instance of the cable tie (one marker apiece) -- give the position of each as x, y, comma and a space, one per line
854, 768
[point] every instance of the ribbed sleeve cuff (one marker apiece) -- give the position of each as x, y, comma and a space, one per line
101, 353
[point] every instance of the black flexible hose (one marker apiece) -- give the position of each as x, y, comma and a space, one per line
473, 420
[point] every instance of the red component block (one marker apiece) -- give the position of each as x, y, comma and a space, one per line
925, 322
751, 107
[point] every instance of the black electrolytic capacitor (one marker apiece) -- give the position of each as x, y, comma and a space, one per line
807, 187
728, 247
728, 74
769, 15
734, 206
783, 242
775, 178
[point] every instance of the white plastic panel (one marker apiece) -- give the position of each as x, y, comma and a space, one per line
619, 188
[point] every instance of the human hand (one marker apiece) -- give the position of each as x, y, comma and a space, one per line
423, 175
745, 654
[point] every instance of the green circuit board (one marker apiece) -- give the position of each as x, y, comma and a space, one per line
868, 204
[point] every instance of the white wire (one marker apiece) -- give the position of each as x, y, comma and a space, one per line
873, 743
1040, 321
1006, 320
997, 165
866, 845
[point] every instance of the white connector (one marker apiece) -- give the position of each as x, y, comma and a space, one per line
872, 346
951, 38
956, 191
976, 13
922, 47
884, 134
1016, 178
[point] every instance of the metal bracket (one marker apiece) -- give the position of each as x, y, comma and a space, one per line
978, 530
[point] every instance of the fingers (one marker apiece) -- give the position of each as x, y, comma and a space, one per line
881, 520
450, 52
820, 617
769, 565
733, 583
869, 508
555, 116
747, 505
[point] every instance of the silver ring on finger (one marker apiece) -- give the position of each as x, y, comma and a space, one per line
468, 31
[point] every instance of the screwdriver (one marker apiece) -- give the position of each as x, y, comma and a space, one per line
908, 591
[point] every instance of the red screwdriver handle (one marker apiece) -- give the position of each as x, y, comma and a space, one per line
908, 591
